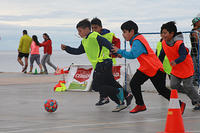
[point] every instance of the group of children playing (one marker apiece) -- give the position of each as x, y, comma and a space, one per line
102, 46
98, 45
27, 43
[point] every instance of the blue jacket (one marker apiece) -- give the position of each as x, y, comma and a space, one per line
136, 50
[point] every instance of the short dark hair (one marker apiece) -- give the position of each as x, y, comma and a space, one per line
170, 27
130, 25
84, 24
96, 21
24, 31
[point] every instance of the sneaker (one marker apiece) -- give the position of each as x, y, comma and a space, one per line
102, 101
119, 108
30, 73
129, 99
138, 108
182, 106
197, 107
44, 72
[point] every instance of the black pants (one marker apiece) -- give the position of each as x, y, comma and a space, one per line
158, 81
104, 81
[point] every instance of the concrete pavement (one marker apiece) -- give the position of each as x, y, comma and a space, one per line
21, 109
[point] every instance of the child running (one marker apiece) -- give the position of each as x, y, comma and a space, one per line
150, 66
97, 27
47, 44
35, 54
180, 60
92, 44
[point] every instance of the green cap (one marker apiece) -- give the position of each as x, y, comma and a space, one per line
195, 20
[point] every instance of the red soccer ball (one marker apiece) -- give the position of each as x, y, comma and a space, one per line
50, 105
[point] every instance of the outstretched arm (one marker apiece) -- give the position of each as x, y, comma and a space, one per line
136, 50
74, 51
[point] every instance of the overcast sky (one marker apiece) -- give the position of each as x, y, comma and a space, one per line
58, 18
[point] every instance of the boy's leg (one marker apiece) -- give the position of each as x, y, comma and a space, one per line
128, 96
138, 79
175, 83
103, 98
190, 91
110, 80
113, 95
159, 83
111, 92
96, 83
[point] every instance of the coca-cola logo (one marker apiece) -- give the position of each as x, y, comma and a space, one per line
82, 74
116, 72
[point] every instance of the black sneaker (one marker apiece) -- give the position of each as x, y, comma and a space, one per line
197, 107
195, 83
102, 101
129, 99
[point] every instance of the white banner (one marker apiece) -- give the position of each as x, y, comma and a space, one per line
80, 77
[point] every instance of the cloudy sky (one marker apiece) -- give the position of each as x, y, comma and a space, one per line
58, 18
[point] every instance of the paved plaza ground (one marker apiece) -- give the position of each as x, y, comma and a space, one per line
22, 98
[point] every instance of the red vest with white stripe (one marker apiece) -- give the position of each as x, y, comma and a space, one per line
149, 63
184, 69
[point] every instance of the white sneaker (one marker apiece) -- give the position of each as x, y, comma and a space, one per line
119, 108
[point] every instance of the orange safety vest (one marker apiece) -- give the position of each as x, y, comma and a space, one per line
184, 69
149, 63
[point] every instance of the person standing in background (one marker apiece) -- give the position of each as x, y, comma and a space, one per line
47, 44
24, 49
194, 50
35, 54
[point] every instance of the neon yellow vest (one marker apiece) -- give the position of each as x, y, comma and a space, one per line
166, 64
109, 37
92, 49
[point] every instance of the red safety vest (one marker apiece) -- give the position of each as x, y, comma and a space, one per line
149, 63
184, 69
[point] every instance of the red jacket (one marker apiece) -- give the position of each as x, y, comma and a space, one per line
47, 46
